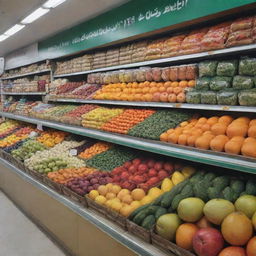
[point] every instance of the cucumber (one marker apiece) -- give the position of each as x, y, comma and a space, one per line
149, 222
159, 199
140, 217
160, 211
134, 213
151, 210
168, 196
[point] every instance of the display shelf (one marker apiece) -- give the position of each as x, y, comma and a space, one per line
196, 56
26, 74
133, 243
160, 105
224, 160
23, 93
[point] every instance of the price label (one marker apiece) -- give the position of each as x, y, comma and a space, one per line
178, 105
33, 134
73, 152
39, 127
225, 108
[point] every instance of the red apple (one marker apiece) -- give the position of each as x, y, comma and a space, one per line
144, 186
162, 174
208, 242
138, 179
158, 165
152, 172
127, 164
136, 161
152, 181
168, 167
151, 163
142, 168
125, 175
132, 169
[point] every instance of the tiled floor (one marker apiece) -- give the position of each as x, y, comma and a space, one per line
21, 237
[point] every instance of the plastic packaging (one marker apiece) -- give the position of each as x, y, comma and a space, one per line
227, 97
157, 74
247, 97
243, 82
242, 23
247, 67
240, 37
129, 76
208, 97
193, 97
149, 74
140, 74
191, 72
227, 68
166, 74
182, 71
174, 74
220, 83
203, 83
207, 68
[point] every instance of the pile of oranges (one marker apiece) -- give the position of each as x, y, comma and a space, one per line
51, 138
124, 122
64, 175
233, 136
146, 91
96, 149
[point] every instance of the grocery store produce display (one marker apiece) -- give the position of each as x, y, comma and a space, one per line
218, 133
169, 199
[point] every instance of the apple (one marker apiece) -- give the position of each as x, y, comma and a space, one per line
142, 168
162, 174
136, 161
132, 169
127, 164
124, 175
158, 166
153, 181
208, 242
168, 167
152, 172
151, 163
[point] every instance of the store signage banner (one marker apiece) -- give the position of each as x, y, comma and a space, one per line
131, 19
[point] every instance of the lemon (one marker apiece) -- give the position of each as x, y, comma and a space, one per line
167, 185
177, 177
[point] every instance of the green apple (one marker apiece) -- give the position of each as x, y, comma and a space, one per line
167, 225
246, 204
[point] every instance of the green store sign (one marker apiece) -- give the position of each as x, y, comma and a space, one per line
131, 19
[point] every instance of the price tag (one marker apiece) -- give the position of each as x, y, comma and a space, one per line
39, 127
178, 105
32, 134
73, 152
225, 108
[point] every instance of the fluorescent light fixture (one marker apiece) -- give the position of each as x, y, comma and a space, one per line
53, 3
35, 15
11, 31
3, 37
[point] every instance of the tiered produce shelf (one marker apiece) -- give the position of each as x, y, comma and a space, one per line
159, 105
26, 74
177, 59
238, 163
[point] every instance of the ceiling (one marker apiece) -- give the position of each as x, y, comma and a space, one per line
64, 16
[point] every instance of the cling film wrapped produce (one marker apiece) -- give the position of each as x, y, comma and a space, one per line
243, 82
227, 68
220, 82
247, 97
227, 97
193, 97
208, 97
208, 68
203, 83
247, 67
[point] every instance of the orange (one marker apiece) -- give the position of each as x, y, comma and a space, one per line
233, 251
218, 143
219, 128
233, 147
237, 229
237, 129
249, 147
162, 89
252, 131
252, 122
191, 83
181, 97
243, 119
175, 84
191, 140
225, 119
182, 140
203, 142
184, 235
183, 83
205, 127
251, 247
172, 98
202, 120
212, 120
164, 137
173, 138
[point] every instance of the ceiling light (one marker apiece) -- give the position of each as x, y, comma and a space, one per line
11, 31
53, 3
35, 15
3, 37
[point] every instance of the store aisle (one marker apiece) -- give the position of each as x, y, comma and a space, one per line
21, 237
